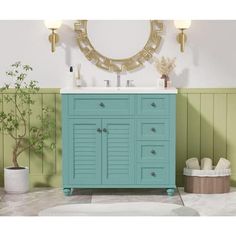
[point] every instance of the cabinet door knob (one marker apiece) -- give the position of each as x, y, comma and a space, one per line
153, 104
99, 130
104, 130
153, 129
153, 174
153, 152
101, 104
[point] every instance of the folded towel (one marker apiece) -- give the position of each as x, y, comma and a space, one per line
206, 163
193, 163
222, 164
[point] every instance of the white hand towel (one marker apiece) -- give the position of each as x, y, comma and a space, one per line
206, 163
193, 163
222, 164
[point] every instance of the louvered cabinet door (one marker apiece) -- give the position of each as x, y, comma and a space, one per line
117, 151
85, 151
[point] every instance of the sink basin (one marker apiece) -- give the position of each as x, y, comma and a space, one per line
118, 90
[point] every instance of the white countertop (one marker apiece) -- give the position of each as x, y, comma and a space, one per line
112, 90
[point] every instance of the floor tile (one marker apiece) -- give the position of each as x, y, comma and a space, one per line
211, 204
31, 203
134, 195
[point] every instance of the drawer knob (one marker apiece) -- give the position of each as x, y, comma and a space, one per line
99, 130
101, 104
153, 129
153, 104
104, 130
153, 152
153, 174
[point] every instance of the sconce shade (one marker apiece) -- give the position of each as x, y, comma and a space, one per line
53, 24
182, 24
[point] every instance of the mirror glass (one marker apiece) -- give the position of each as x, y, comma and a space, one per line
118, 39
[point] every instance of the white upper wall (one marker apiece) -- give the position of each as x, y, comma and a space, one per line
209, 59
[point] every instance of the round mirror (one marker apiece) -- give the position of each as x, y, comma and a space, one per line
118, 39
118, 46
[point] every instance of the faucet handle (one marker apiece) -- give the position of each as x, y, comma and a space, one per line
129, 83
107, 82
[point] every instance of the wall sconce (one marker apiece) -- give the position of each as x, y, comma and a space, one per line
182, 25
53, 37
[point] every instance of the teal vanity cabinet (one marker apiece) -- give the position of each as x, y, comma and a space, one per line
118, 140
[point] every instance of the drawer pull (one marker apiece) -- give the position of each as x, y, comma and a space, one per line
153, 104
99, 130
153, 129
153, 174
153, 152
101, 104
104, 130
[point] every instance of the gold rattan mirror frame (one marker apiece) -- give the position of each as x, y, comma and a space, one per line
119, 65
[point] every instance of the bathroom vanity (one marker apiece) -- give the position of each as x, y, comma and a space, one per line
118, 138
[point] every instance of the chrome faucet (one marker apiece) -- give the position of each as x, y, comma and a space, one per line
118, 80
129, 83
107, 81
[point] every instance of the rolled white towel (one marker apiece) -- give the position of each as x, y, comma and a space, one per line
206, 163
222, 164
193, 163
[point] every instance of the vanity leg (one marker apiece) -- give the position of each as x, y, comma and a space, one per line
170, 191
67, 191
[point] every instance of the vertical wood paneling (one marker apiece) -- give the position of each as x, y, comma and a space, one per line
36, 159
194, 125
220, 109
49, 154
231, 133
207, 125
58, 133
181, 135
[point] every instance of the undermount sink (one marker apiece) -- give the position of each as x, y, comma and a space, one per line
118, 90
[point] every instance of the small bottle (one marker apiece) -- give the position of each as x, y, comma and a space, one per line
70, 78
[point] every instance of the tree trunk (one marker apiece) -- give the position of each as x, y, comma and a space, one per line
14, 159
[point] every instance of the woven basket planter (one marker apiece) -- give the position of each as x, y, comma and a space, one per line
207, 181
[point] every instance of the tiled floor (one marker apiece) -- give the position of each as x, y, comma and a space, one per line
31, 203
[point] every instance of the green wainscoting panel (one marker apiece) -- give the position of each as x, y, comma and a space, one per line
220, 126
231, 133
36, 159
194, 125
211, 126
181, 135
206, 126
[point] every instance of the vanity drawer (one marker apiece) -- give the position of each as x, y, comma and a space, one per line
153, 151
153, 129
157, 105
152, 173
84, 105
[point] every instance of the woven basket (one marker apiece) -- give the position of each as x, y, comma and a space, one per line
207, 181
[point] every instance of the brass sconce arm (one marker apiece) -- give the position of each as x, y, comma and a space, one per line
53, 25
182, 38
53, 39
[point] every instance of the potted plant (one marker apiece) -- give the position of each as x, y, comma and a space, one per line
164, 66
18, 92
